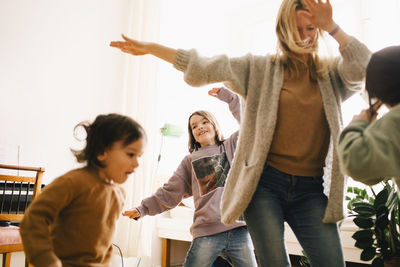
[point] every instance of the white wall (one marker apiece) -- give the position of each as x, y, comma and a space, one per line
56, 69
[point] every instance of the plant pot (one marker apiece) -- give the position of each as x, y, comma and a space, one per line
394, 262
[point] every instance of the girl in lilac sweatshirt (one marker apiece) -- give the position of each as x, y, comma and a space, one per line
202, 174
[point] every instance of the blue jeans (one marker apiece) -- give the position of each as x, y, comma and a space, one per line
234, 245
300, 202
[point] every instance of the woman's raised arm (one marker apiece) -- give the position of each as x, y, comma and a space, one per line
139, 48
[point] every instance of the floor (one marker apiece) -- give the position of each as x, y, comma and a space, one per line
18, 260
295, 262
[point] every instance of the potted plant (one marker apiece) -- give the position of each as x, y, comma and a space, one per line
304, 262
377, 217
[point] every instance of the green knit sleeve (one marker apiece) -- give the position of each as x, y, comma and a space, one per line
371, 152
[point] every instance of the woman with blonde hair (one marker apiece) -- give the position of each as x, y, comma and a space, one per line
286, 152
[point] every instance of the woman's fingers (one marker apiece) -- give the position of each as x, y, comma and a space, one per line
127, 38
305, 13
117, 44
310, 4
128, 42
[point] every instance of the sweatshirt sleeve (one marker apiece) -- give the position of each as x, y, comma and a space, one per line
199, 71
233, 101
371, 152
171, 193
351, 66
35, 226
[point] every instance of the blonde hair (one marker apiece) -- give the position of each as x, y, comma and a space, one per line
193, 145
288, 49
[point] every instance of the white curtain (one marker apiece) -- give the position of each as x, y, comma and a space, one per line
136, 238
381, 23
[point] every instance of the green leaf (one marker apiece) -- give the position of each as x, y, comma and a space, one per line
382, 210
381, 198
382, 221
362, 234
377, 262
393, 200
349, 189
364, 243
368, 254
350, 204
364, 193
371, 200
363, 222
364, 208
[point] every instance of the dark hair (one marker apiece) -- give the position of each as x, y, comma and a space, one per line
193, 145
382, 79
103, 133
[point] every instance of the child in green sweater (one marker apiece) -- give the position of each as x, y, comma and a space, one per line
369, 149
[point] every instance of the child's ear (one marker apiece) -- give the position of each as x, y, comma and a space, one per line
102, 157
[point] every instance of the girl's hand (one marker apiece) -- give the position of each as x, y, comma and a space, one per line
132, 214
365, 115
320, 14
370, 114
131, 46
214, 92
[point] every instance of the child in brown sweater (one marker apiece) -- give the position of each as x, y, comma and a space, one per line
72, 222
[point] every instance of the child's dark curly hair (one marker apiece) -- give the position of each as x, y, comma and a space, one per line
103, 133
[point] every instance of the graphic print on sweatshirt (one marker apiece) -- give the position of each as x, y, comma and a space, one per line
211, 172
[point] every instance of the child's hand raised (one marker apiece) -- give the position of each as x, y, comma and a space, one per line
369, 115
214, 92
132, 214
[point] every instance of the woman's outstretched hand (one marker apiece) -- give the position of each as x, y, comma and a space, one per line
139, 48
131, 46
320, 14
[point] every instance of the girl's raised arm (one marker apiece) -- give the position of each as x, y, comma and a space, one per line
139, 48
229, 97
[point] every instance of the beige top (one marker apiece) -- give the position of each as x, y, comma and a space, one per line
72, 221
301, 138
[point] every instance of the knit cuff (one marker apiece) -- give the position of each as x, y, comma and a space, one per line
182, 59
142, 210
353, 50
225, 95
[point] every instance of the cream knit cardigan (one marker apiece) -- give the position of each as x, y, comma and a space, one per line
259, 81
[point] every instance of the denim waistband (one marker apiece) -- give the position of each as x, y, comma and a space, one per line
268, 168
